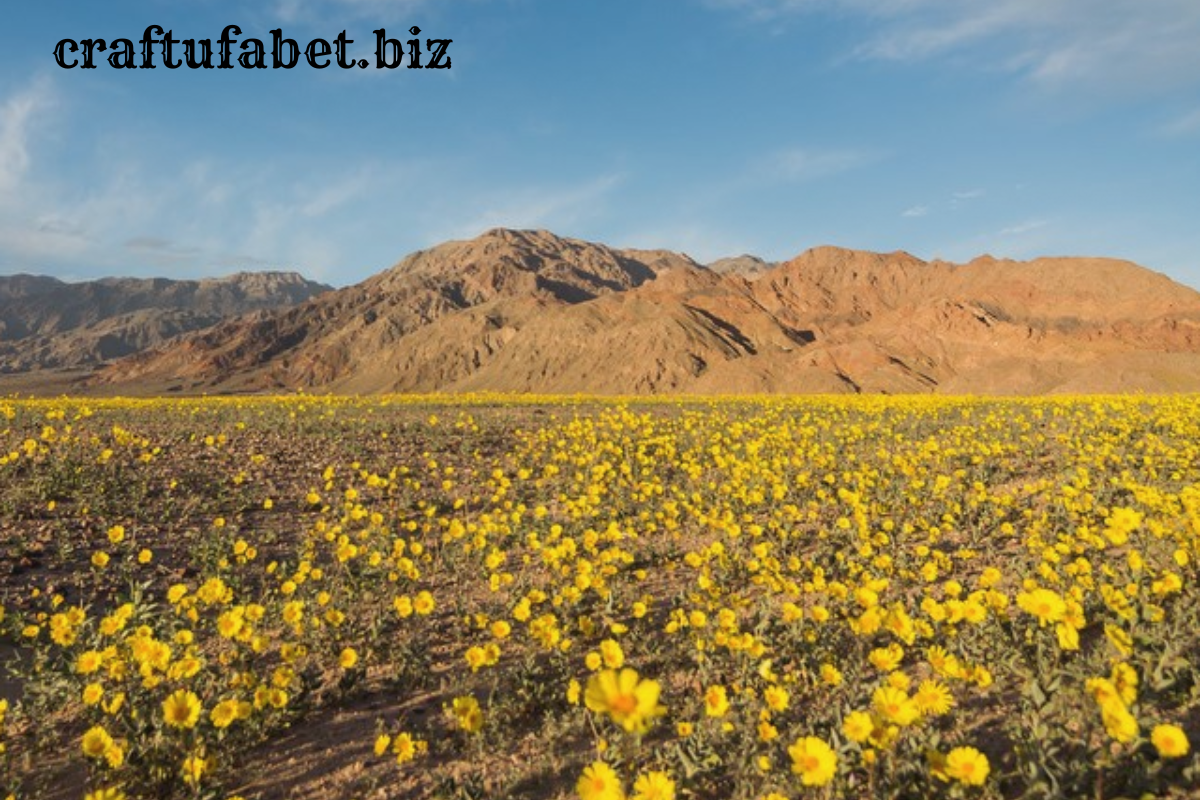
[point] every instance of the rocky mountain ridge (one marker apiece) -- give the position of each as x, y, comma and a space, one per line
528, 311
47, 323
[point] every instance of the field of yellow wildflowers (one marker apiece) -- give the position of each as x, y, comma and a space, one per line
563, 597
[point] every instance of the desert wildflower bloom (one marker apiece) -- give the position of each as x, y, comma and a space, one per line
95, 742
944, 663
230, 623
631, 702
93, 693
105, 794
476, 657
1125, 680
967, 765
423, 603
895, 706
468, 714
776, 698
224, 713
293, 612
406, 747
933, 698
654, 786
831, 675
886, 659
1045, 604
1068, 637
348, 658
114, 755
194, 767
181, 709
614, 657
1118, 722
716, 701
599, 782
813, 760
88, 662
858, 726
1170, 741
1103, 691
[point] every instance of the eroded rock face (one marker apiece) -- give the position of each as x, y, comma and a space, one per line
46, 323
530, 311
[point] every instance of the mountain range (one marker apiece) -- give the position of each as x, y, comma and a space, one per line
529, 311
46, 323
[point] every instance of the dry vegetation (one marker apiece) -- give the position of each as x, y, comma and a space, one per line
387, 597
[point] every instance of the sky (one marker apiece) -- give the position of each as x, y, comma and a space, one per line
945, 128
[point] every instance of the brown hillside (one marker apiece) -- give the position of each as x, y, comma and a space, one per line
532, 312
46, 323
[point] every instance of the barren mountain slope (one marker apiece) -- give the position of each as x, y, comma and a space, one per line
530, 311
45, 322
381, 334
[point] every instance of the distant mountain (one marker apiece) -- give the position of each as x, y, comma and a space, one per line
528, 311
47, 323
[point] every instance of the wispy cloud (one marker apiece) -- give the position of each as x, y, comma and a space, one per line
968, 194
1131, 44
915, 211
1185, 125
556, 207
763, 9
141, 210
134, 211
17, 118
320, 10
1024, 227
327, 198
803, 164
154, 244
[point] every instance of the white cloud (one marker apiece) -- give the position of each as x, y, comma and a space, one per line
802, 164
555, 208
129, 212
915, 211
1132, 45
29, 246
17, 118
1024, 227
1185, 125
327, 198
134, 210
319, 10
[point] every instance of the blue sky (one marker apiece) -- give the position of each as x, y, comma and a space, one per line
947, 128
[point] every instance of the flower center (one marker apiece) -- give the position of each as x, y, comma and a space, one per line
624, 703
